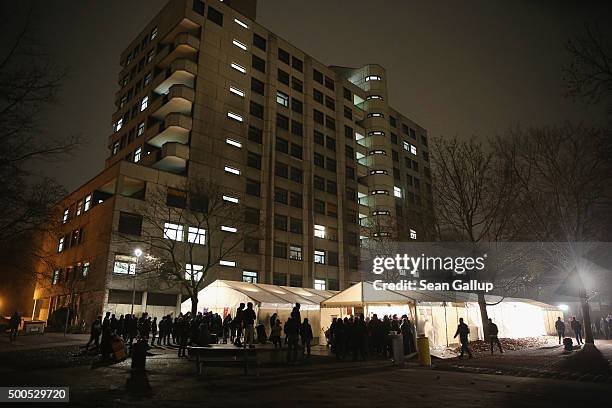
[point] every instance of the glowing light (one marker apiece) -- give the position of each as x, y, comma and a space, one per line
138, 252
565, 308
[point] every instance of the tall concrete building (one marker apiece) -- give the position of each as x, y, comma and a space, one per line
315, 151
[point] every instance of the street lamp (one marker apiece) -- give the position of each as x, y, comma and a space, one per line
138, 253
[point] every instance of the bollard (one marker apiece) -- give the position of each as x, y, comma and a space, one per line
423, 348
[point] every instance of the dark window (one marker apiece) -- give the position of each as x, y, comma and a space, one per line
317, 95
130, 223
176, 198
332, 187
257, 110
333, 284
330, 143
393, 138
332, 258
282, 121
351, 195
251, 215
350, 173
413, 134
282, 145
198, 7
395, 155
295, 281
296, 151
319, 160
279, 279
280, 222
405, 129
317, 76
258, 63
330, 123
251, 245
280, 195
319, 206
257, 86
392, 121
280, 249
348, 95
331, 165
297, 64
353, 262
319, 138
348, 131
297, 105
348, 113
281, 169
283, 77
296, 226
296, 200
329, 83
349, 152
254, 160
283, 56
318, 116
297, 85
255, 134
253, 187
215, 16
297, 175
259, 42
319, 183
297, 128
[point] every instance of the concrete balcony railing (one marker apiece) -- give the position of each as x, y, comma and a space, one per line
185, 46
181, 72
179, 99
172, 157
174, 128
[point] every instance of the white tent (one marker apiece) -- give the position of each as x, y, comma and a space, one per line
224, 297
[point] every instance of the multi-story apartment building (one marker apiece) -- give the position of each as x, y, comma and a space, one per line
204, 91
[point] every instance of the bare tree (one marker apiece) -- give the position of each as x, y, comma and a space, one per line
186, 234
563, 185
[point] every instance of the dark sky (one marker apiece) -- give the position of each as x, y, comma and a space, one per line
454, 67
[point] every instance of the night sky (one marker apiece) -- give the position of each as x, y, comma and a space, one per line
464, 68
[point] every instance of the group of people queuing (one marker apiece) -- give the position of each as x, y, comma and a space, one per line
603, 326
361, 337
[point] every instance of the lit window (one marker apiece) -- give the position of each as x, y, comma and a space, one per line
234, 116
319, 284
231, 170
119, 125
376, 192
228, 229
141, 128
233, 142
87, 204
370, 97
173, 231
79, 208
196, 235
249, 276
397, 191
236, 91
230, 199
85, 270
319, 231
137, 154
378, 172
66, 215
376, 133
239, 45
193, 272
227, 263
125, 265
240, 23
375, 115
295, 252
150, 55
60, 244
319, 257
238, 67
282, 99
413, 149
144, 103
55, 277
413, 234
372, 78
147, 79
153, 33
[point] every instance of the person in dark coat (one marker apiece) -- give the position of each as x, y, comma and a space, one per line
306, 336
94, 333
121, 326
463, 332
560, 327
339, 346
14, 324
227, 328
248, 319
493, 339
292, 332
577, 329
183, 327
238, 323
127, 324
407, 330
105, 341
153, 330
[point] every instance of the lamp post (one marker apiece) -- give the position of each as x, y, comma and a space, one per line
138, 253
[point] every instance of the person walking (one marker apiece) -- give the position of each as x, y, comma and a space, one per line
577, 329
560, 327
14, 324
94, 333
306, 336
493, 339
249, 325
463, 331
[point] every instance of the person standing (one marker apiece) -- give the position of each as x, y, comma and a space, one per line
463, 332
153, 330
249, 325
238, 325
292, 332
493, 339
407, 330
94, 333
577, 329
275, 334
306, 335
560, 327
14, 324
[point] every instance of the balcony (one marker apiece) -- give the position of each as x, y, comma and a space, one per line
181, 72
362, 171
179, 99
174, 128
185, 46
172, 157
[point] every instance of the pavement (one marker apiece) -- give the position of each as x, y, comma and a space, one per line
37, 341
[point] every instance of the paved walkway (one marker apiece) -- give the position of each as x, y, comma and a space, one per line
36, 341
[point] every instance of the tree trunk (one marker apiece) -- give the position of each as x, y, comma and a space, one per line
194, 304
484, 316
586, 317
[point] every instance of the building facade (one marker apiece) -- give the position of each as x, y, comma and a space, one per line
315, 151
